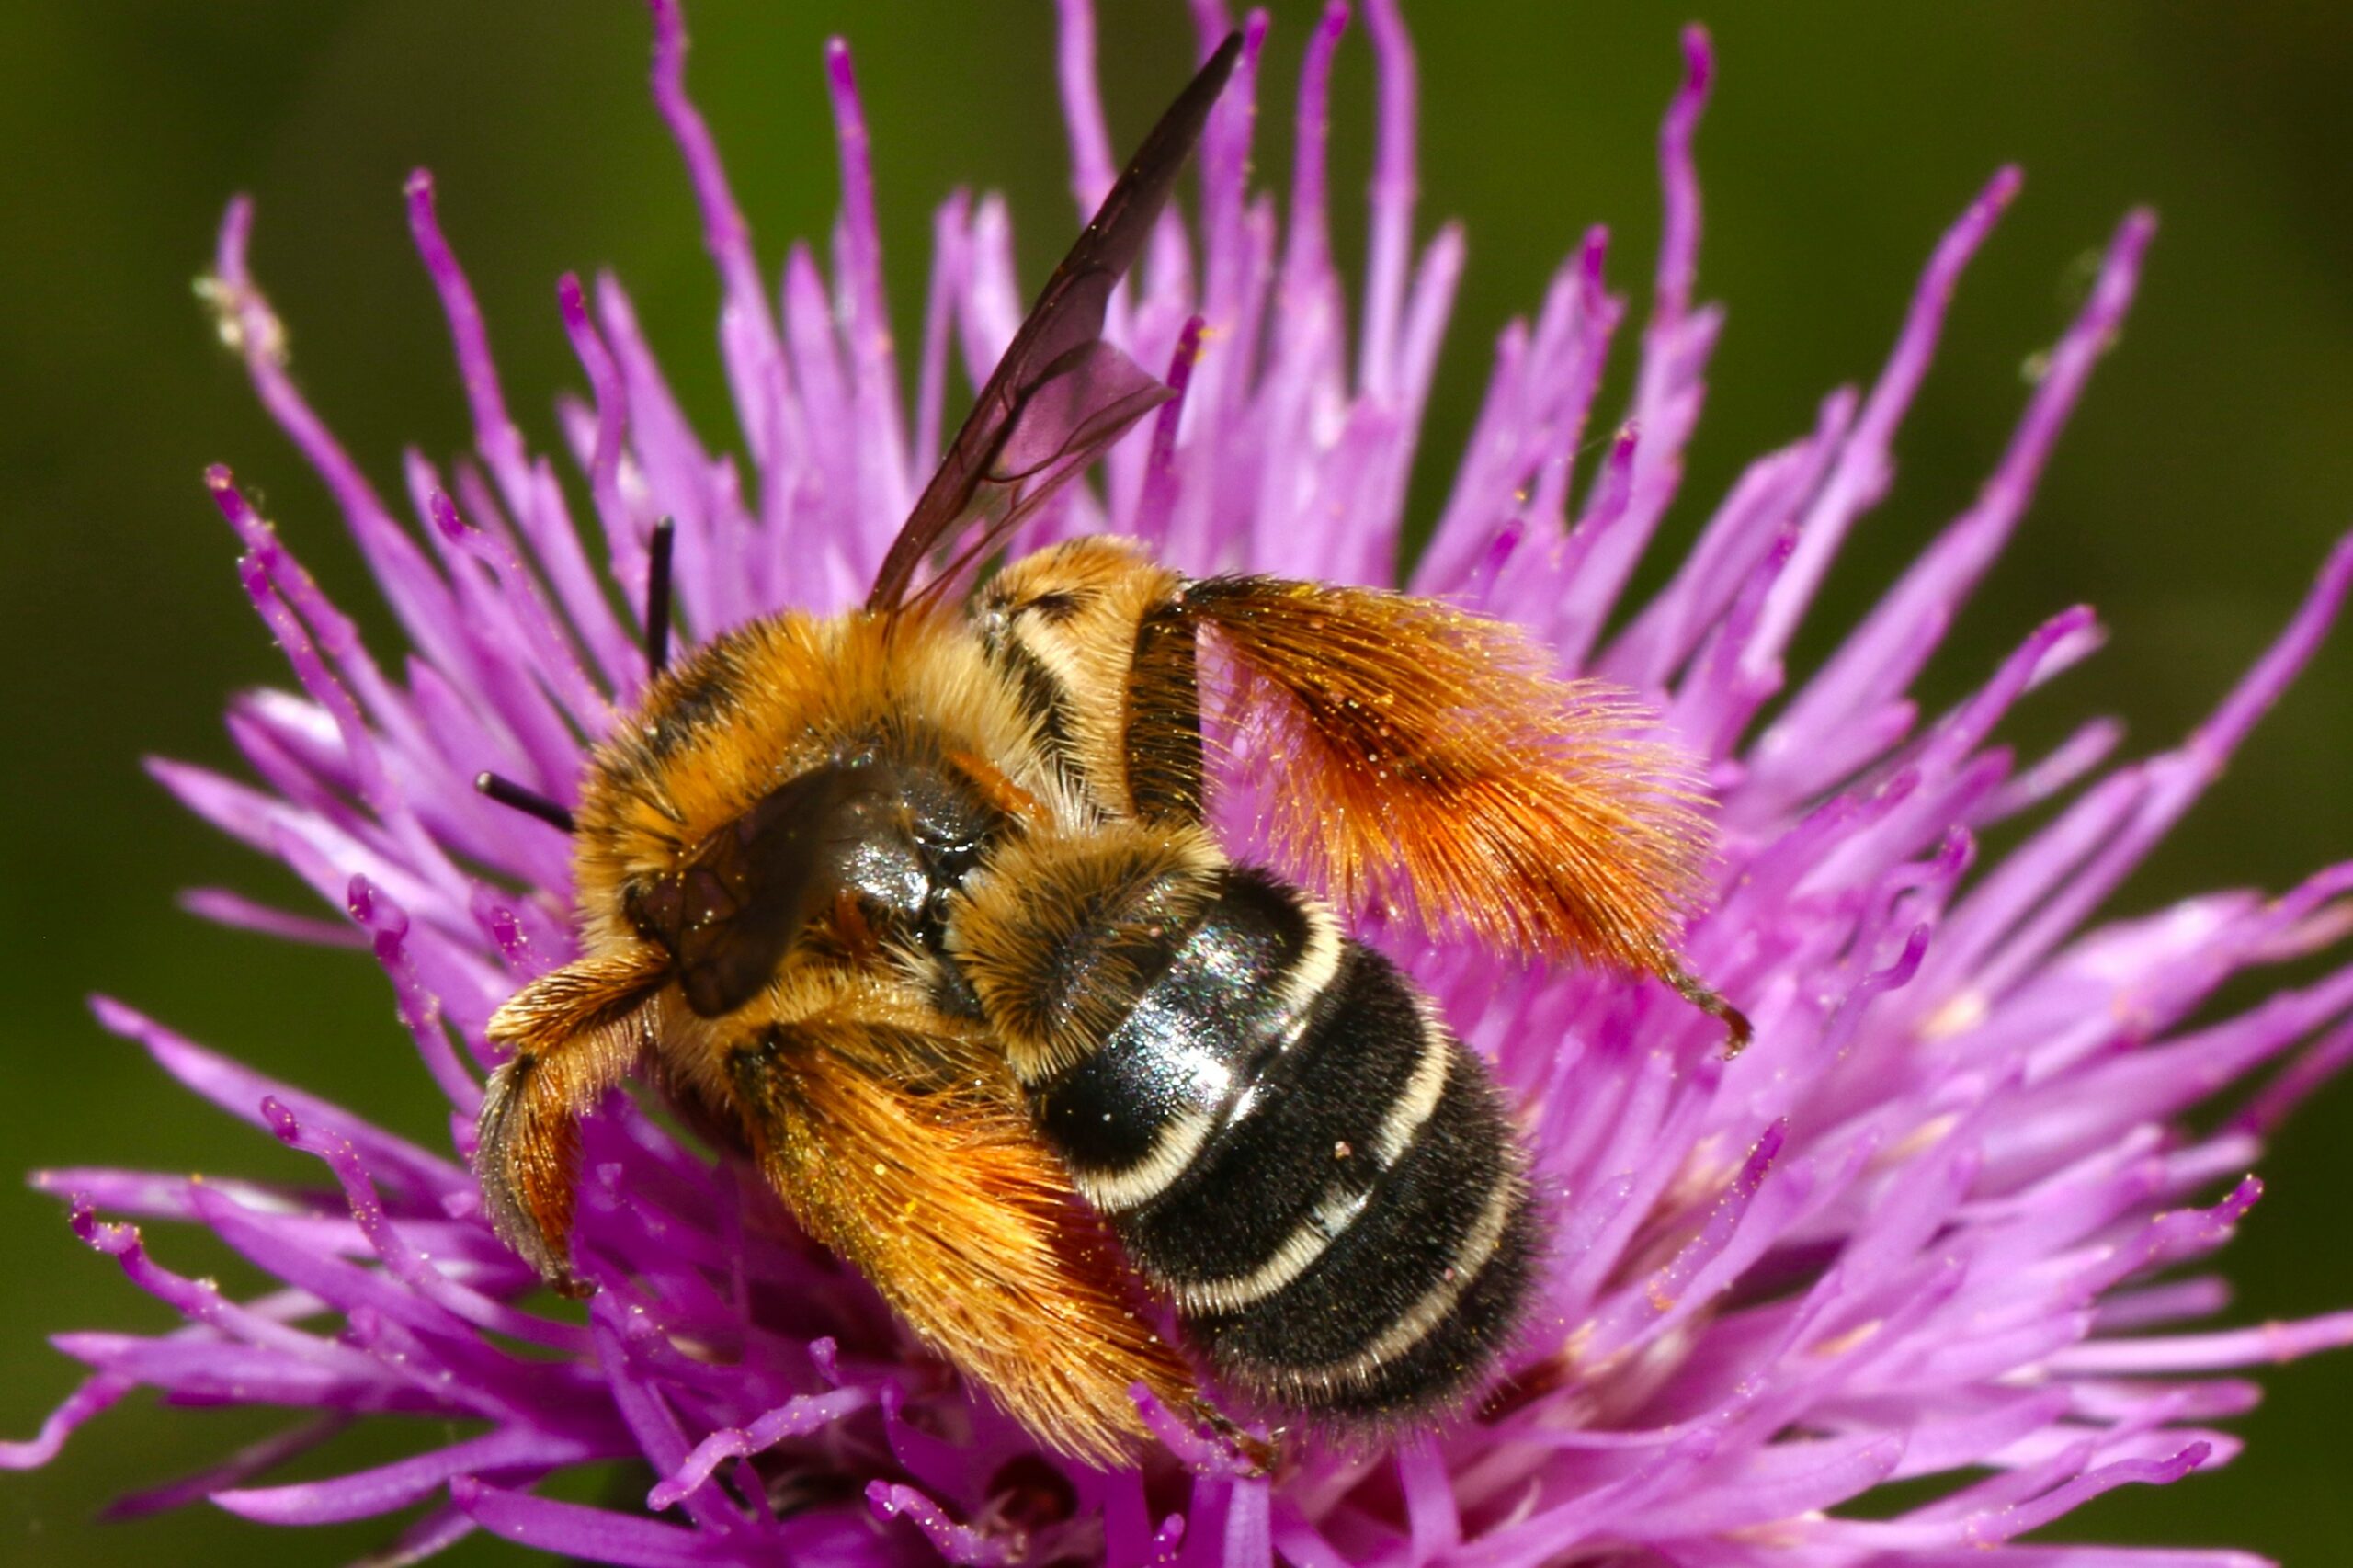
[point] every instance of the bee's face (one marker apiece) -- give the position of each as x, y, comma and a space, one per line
873, 843
731, 909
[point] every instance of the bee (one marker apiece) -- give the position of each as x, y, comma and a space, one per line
918, 907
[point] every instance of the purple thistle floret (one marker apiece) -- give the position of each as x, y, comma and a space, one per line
1944, 1216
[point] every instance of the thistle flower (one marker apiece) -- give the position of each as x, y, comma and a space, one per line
1930, 1228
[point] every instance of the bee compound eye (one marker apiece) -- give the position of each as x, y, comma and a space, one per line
653, 907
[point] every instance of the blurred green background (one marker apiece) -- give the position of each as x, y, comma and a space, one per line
2191, 501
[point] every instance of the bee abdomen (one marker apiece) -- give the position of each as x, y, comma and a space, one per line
1291, 1146
1414, 1299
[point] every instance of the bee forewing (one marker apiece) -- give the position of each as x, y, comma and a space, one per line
1062, 411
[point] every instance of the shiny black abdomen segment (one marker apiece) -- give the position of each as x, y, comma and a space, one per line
1415, 1299
1437, 1369
1210, 1007
1306, 1134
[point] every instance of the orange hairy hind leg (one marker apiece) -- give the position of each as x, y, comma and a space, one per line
910, 1154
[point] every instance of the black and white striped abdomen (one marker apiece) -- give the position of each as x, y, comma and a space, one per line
1291, 1146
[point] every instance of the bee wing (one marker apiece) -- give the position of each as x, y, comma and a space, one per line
909, 1152
1060, 395
1431, 766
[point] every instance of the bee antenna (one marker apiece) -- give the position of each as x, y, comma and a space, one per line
530, 802
659, 552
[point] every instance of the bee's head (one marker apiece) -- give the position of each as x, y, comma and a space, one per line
873, 843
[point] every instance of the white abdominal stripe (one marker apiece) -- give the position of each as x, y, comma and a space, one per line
1471, 1259
1171, 1155
1332, 1214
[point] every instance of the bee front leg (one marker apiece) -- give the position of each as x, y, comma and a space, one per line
576, 1035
